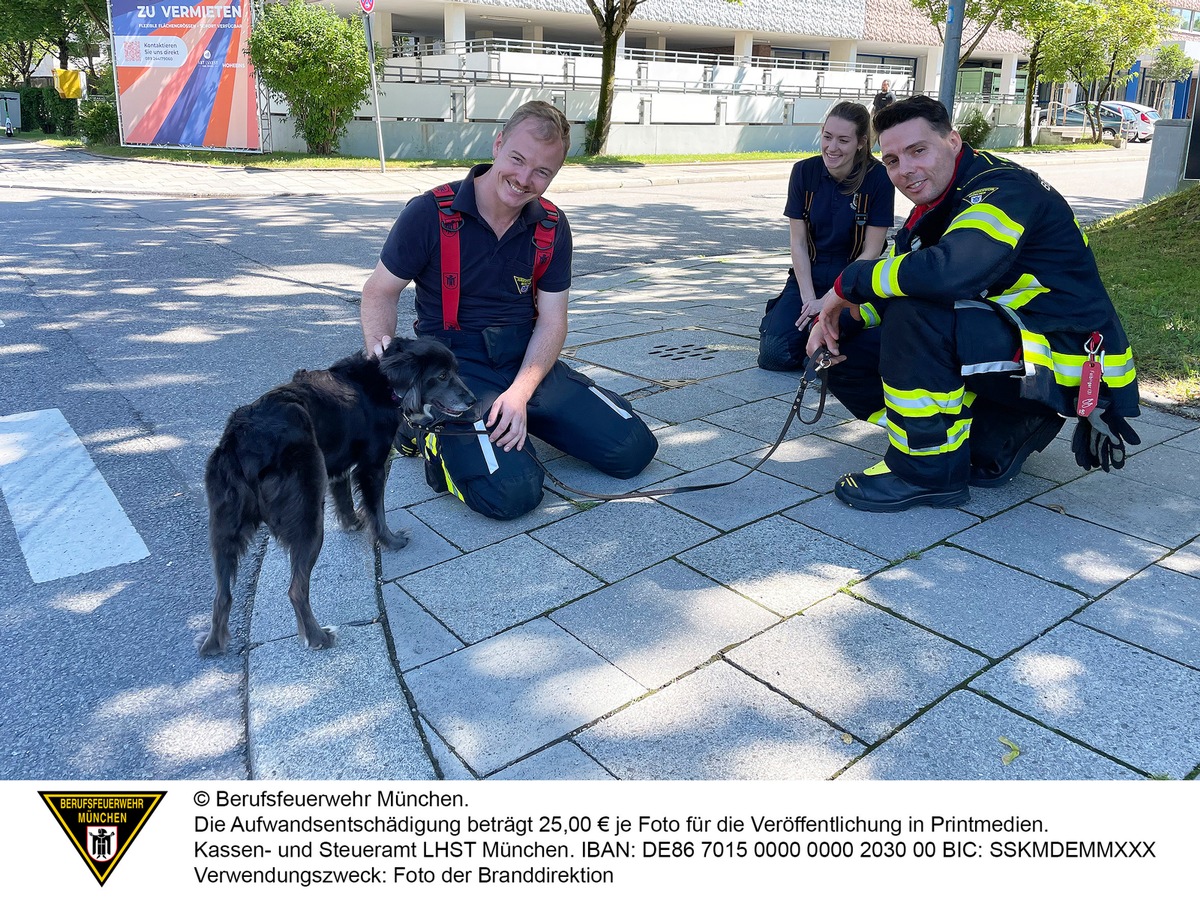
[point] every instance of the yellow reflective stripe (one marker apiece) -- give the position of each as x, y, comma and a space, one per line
885, 277
956, 435
432, 453
918, 403
879, 417
1081, 231
1118, 370
991, 220
870, 315
1023, 290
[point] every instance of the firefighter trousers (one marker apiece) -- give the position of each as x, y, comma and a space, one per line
568, 411
780, 343
941, 380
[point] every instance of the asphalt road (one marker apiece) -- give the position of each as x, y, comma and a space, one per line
146, 321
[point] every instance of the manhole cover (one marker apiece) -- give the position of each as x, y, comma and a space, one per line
684, 351
673, 357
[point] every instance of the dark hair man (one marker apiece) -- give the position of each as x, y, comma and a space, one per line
484, 241
990, 326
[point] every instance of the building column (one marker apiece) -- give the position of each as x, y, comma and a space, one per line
843, 51
929, 72
454, 19
743, 43
1008, 73
621, 46
534, 33
656, 42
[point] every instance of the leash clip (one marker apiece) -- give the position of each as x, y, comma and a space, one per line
814, 370
817, 363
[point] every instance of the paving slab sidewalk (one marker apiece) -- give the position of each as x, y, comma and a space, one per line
762, 630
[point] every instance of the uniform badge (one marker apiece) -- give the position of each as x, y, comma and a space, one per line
522, 284
977, 196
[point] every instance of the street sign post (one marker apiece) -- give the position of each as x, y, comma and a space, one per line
367, 16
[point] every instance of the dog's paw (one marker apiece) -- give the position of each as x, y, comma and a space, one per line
213, 643
352, 523
323, 639
395, 540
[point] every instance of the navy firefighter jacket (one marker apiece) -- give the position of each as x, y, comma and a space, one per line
1003, 236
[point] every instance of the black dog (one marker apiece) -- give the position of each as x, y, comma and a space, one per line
279, 453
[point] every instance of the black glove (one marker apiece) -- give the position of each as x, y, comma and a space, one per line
1099, 440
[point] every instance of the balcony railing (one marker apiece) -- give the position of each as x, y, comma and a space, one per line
425, 47
396, 70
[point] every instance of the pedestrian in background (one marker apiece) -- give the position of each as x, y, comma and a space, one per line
885, 98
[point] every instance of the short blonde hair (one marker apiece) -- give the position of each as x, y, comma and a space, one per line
549, 122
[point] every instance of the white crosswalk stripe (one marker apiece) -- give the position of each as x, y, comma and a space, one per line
67, 519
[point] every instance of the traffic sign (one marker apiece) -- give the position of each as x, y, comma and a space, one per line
366, 6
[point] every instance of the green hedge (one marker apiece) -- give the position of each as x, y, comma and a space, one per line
98, 122
43, 108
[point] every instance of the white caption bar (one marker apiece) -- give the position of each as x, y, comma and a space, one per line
66, 517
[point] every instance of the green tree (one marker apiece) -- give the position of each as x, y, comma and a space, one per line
1034, 22
22, 40
1170, 64
18, 59
316, 62
1098, 42
30, 28
612, 18
978, 18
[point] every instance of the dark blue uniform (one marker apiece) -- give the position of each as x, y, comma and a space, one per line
976, 326
496, 317
831, 229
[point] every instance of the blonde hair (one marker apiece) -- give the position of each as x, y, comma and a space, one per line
549, 122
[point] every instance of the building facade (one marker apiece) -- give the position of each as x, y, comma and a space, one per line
843, 34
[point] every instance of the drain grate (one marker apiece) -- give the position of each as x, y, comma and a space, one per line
684, 351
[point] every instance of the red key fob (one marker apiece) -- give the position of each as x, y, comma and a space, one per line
1089, 387
1089, 377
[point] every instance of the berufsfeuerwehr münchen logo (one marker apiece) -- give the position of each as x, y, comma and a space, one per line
102, 825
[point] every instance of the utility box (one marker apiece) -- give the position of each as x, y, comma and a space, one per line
1168, 154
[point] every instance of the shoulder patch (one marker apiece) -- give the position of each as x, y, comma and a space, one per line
977, 196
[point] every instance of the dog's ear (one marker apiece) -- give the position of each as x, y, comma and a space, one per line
397, 362
401, 366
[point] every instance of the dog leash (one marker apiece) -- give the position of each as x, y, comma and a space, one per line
815, 370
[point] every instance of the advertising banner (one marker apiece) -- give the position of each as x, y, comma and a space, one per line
183, 77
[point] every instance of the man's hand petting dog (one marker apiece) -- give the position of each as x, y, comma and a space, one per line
324, 430
507, 420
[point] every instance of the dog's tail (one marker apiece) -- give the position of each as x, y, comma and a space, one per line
234, 514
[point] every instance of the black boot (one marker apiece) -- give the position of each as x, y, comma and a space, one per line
998, 460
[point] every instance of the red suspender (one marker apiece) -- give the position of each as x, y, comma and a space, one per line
543, 246
450, 222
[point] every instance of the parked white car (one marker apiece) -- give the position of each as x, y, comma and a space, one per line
1144, 118
1113, 119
